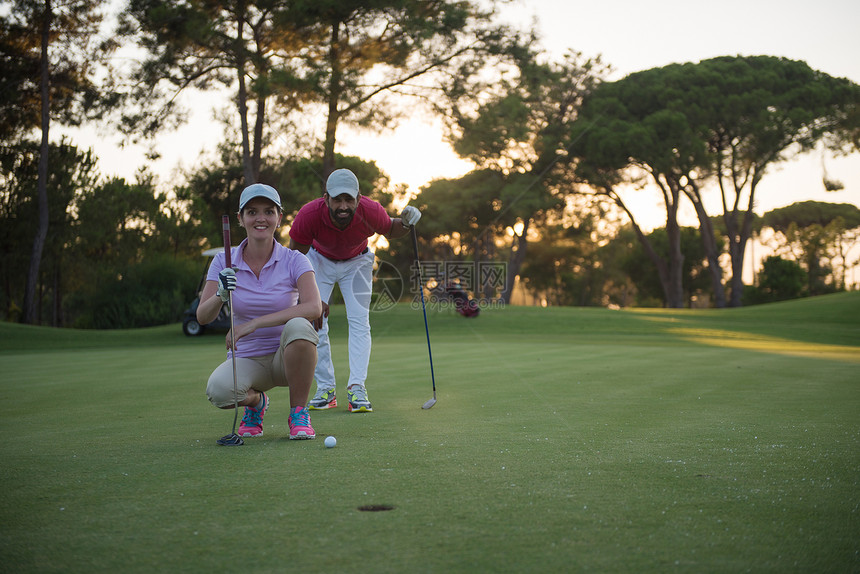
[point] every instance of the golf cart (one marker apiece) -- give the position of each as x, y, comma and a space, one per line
190, 326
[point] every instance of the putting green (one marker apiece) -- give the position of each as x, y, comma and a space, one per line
563, 440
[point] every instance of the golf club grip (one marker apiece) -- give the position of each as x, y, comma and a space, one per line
225, 225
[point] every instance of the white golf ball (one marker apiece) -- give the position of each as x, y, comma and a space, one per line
330, 441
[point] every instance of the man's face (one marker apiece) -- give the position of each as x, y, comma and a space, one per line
341, 208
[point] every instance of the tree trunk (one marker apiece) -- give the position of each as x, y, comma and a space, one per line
485, 251
333, 98
662, 266
709, 242
30, 315
813, 268
247, 165
737, 247
57, 319
675, 288
659, 263
257, 152
738, 236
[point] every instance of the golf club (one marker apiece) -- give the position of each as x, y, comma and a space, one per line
432, 401
231, 439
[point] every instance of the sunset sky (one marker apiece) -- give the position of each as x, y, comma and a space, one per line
630, 36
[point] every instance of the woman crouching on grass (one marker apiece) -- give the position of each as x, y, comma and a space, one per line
275, 301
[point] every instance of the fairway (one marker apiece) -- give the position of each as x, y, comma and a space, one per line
563, 440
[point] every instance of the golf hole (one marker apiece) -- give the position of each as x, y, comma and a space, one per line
375, 508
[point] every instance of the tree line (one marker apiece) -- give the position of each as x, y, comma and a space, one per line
558, 151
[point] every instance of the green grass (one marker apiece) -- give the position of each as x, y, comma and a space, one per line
563, 440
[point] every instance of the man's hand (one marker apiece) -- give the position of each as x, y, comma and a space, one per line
410, 216
226, 283
318, 322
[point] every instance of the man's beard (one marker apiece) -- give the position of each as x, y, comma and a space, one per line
344, 221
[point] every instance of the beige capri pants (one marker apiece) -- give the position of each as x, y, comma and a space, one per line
258, 373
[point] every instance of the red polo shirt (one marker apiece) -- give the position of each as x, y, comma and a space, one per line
313, 226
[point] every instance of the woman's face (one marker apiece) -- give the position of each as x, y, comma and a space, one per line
260, 217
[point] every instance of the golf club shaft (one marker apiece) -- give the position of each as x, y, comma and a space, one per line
423, 306
225, 224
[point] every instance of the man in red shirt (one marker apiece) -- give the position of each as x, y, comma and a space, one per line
333, 231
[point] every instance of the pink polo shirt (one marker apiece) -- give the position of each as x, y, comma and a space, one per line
313, 226
274, 290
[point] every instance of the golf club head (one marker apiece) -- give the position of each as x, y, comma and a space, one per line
231, 440
429, 403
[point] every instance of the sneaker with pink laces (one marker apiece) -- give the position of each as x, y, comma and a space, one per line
252, 422
300, 424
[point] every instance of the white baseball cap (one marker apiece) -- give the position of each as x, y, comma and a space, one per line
259, 190
342, 181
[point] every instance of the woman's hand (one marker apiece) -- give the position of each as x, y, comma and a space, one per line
240, 331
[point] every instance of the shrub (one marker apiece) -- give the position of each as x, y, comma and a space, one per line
152, 292
780, 279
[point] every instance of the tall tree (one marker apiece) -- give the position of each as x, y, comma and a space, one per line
723, 121
374, 50
625, 140
818, 235
42, 177
759, 111
565, 266
516, 123
74, 53
29, 33
71, 172
245, 47
639, 268
340, 57
461, 218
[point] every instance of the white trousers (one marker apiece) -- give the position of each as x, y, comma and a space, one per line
355, 279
